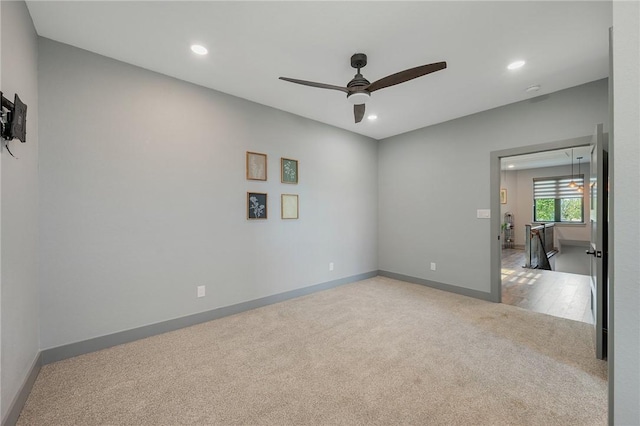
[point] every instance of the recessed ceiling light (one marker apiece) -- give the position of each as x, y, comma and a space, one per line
533, 88
515, 65
372, 117
511, 166
199, 49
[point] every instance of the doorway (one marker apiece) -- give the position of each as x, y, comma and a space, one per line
496, 206
544, 214
597, 188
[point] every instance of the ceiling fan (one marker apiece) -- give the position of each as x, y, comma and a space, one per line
359, 89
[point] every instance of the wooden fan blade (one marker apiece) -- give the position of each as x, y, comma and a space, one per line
358, 112
406, 75
313, 84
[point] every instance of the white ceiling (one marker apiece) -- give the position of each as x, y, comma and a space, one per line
251, 44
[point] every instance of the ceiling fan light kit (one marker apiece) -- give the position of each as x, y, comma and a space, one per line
359, 89
358, 98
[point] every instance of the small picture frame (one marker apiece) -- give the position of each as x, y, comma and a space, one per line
289, 206
256, 166
256, 205
289, 170
503, 196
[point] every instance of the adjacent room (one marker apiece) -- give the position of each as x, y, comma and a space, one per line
546, 232
302, 212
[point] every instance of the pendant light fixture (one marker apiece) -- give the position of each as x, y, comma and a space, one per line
572, 184
580, 188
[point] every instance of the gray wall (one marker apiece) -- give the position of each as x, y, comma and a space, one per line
19, 212
626, 191
520, 203
143, 198
432, 181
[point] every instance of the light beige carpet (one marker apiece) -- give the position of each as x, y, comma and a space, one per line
378, 351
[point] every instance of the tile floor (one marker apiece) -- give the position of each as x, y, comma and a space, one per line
554, 293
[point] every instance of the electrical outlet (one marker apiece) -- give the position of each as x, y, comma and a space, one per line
201, 291
433, 266
330, 266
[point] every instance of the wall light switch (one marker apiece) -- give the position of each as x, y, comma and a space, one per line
484, 214
331, 266
433, 266
201, 291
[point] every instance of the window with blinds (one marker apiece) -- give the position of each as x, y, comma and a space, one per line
555, 199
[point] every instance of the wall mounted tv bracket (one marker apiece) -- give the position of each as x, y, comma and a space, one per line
13, 118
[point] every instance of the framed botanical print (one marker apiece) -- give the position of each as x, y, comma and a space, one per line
289, 170
289, 206
503, 196
256, 166
256, 205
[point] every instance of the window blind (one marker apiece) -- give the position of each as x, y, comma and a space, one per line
557, 187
